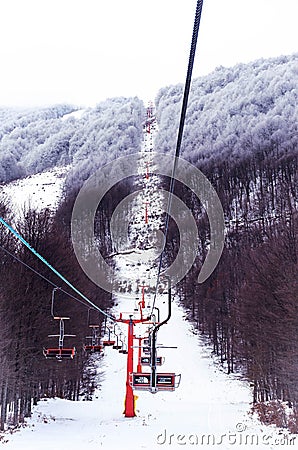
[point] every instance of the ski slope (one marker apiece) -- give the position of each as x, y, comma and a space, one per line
39, 191
208, 405
210, 408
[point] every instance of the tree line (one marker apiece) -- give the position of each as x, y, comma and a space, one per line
36, 140
25, 307
248, 307
32, 141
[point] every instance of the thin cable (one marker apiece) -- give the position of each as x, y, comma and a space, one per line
43, 277
18, 236
181, 128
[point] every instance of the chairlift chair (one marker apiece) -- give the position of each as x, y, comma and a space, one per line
60, 352
123, 349
94, 345
164, 381
119, 345
116, 345
146, 360
108, 342
92, 348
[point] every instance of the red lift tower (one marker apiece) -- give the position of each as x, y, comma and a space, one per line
146, 211
129, 408
143, 294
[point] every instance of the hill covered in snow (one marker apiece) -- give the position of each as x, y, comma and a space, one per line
33, 141
234, 113
241, 131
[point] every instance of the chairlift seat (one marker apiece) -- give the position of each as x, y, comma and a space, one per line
164, 381
92, 348
108, 343
59, 353
117, 347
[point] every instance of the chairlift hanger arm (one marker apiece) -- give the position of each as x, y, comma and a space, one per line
154, 333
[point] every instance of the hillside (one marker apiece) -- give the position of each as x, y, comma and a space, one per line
241, 131
32, 141
208, 408
234, 113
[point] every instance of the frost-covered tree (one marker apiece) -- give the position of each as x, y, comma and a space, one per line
234, 112
32, 141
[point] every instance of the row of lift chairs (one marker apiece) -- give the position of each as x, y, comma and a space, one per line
95, 344
92, 344
166, 381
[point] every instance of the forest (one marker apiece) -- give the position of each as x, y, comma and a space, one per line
241, 132
32, 142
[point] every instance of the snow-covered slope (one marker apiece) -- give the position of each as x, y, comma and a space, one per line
209, 408
39, 191
208, 402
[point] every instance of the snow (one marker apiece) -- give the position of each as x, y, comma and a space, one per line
39, 191
208, 402
210, 408
75, 114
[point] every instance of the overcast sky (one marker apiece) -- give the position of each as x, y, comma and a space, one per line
83, 51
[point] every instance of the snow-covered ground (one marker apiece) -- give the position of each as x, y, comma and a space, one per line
209, 409
75, 114
209, 406
39, 191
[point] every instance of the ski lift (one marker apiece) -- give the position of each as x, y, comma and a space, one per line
136, 308
147, 345
94, 345
146, 360
59, 352
123, 349
116, 345
93, 342
164, 381
108, 342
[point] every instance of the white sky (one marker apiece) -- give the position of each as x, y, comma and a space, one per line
83, 51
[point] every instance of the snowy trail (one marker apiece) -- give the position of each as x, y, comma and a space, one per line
208, 402
209, 408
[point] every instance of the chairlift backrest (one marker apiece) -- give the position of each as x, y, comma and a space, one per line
93, 348
60, 352
164, 381
146, 360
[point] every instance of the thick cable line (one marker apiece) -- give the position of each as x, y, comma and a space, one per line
20, 238
180, 132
